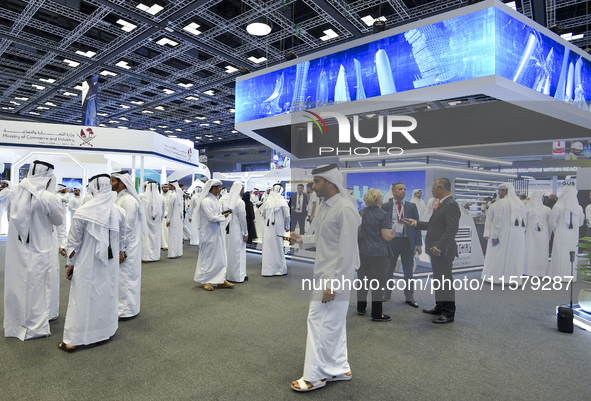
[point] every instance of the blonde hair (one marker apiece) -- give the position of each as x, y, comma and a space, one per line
372, 197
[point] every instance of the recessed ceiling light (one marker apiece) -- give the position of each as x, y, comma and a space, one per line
138, 102
50, 104
163, 126
191, 98
231, 110
70, 94
108, 73
78, 87
168, 91
197, 137
209, 136
166, 41
259, 27
210, 139
71, 63
15, 103
209, 92
124, 106
204, 125
454, 103
152, 129
48, 80
147, 112
7, 108
168, 132
186, 85
230, 69
123, 64
329, 34
33, 112
369, 20
178, 129
200, 118
89, 53
123, 118
234, 131
102, 114
188, 121
38, 87
219, 137
153, 10
21, 98
192, 28
42, 108
102, 125
114, 121
159, 108
257, 60
216, 122
126, 26
122, 127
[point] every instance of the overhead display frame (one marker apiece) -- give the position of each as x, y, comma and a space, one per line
485, 48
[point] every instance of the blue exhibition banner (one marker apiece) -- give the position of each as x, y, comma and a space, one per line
479, 44
89, 104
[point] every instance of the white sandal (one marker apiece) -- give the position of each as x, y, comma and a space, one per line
304, 386
338, 378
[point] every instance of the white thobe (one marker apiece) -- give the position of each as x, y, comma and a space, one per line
62, 233
337, 257
27, 269
192, 213
3, 219
152, 240
73, 204
537, 238
93, 304
53, 283
488, 259
421, 207
312, 198
174, 217
506, 258
211, 265
87, 198
565, 239
186, 223
164, 228
130, 271
236, 246
274, 224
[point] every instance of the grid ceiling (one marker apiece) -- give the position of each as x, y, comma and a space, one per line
180, 85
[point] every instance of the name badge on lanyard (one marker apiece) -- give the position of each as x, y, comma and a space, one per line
398, 225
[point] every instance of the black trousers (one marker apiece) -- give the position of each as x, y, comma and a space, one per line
372, 268
298, 218
445, 296
401, 247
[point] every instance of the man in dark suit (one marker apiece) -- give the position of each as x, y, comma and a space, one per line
298, 204
407, 240
440, 243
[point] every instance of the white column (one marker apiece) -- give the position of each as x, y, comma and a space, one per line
133, 170
141, 174
163, 175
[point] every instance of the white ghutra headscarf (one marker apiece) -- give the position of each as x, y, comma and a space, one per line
204, 193
153, 201
125, 178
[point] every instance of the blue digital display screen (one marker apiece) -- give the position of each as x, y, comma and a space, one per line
458, 49
532, 59
362, 182
479, 44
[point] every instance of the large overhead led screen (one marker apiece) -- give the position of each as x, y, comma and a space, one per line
532, 59
457, 49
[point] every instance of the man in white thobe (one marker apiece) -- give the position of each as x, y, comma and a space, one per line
165, 195
74, 202
416, 199
96, 238
153, 205
193, 221
237, 235
565, 219
312, 205
174, 220
537, 236
275, 224
130, 269
33, 210
63, 194
5, 188
337, 257
211, 265
507, 236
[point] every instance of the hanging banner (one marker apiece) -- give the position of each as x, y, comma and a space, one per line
89, 96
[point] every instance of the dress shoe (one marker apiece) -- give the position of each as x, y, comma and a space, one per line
412, 303
383, 318
443, 319
434, 311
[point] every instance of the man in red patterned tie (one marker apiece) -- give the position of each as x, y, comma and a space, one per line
406, 242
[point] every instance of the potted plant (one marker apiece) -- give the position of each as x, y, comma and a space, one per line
584, 270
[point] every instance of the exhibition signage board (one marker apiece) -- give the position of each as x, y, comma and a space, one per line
95, 139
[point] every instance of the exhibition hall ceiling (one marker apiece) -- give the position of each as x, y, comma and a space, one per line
171, 65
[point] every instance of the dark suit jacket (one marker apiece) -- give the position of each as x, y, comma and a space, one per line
294, 197
442, 228
410, 211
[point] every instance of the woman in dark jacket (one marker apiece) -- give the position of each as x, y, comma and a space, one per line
250, 216
374, 232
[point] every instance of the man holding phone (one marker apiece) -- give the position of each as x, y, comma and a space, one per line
406, 242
